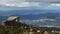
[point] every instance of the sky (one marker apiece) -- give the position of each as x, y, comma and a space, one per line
29, 4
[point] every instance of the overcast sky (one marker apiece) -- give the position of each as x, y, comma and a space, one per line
29, 0
33, 4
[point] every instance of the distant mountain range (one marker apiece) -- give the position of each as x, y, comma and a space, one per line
27, 12
32, 14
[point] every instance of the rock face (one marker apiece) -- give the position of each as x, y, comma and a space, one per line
11, 20
13, 26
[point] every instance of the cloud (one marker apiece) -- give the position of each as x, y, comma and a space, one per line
17, 1
31, 5
22, 4
34, 5
12, 1
9, 4
28, 3
57, 5
44, 20
43, 0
